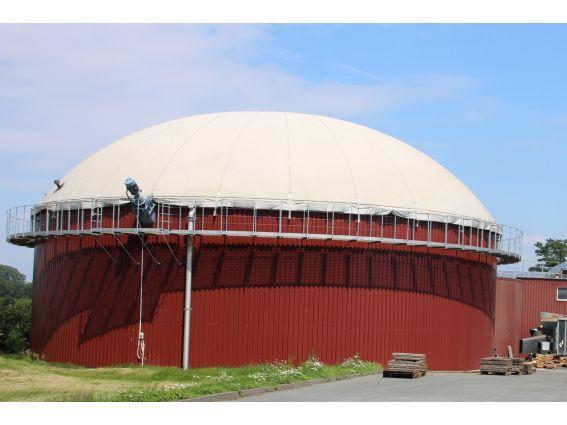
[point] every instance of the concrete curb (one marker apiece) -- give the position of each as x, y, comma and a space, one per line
234, 395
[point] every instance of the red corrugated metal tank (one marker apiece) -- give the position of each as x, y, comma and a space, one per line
312, 235
257, 300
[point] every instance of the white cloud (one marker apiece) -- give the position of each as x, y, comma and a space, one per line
68, 90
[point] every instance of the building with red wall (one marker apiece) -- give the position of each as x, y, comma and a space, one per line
519, 303
276, 235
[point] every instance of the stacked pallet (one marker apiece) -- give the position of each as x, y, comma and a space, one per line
517, 366
529, 368
406, 365
545, 361
563, 361
496, 365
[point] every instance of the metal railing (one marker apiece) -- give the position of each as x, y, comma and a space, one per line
533, 269
260, 218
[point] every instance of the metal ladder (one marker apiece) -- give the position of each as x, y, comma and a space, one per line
165, 218
96, 215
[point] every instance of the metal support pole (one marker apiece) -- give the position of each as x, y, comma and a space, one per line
188, 281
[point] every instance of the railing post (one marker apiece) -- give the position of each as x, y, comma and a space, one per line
8, 222
357, 222
254, 220
395, 226
333, 222
280, 218
188, 288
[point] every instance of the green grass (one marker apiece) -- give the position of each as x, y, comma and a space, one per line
24, 379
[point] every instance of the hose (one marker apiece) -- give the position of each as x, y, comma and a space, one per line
140, 352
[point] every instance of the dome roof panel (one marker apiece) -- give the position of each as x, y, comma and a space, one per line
272, 156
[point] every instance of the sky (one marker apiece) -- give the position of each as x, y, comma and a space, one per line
487, 101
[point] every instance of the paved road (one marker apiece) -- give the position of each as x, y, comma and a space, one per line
544, 385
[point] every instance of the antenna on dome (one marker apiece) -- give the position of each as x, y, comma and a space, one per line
143, 206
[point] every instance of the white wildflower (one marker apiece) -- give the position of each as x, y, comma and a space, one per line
313, 364
170, 387
353, 362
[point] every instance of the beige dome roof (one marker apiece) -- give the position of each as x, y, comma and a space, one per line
272, 156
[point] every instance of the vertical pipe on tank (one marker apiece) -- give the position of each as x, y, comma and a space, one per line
188, 279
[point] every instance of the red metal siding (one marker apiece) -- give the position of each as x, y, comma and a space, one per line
519, 304
508, 321
335, 323
85, 306
540, 295
262, 300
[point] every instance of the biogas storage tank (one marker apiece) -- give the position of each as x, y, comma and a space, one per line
244, 237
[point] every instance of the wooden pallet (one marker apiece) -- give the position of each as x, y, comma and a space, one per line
409, 356
496, 365
517, 366
492, 372
401, 374
406, 365
529, 368
545, 361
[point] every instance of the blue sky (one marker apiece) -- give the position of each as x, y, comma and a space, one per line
489, 102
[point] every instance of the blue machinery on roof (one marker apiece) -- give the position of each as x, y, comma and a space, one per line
143, 206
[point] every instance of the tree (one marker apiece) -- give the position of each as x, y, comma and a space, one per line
15, 310
17, 325
13, 283
551, 253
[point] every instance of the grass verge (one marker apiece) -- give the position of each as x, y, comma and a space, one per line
24, 379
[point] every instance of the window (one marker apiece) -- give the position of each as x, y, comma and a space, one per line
561, 294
